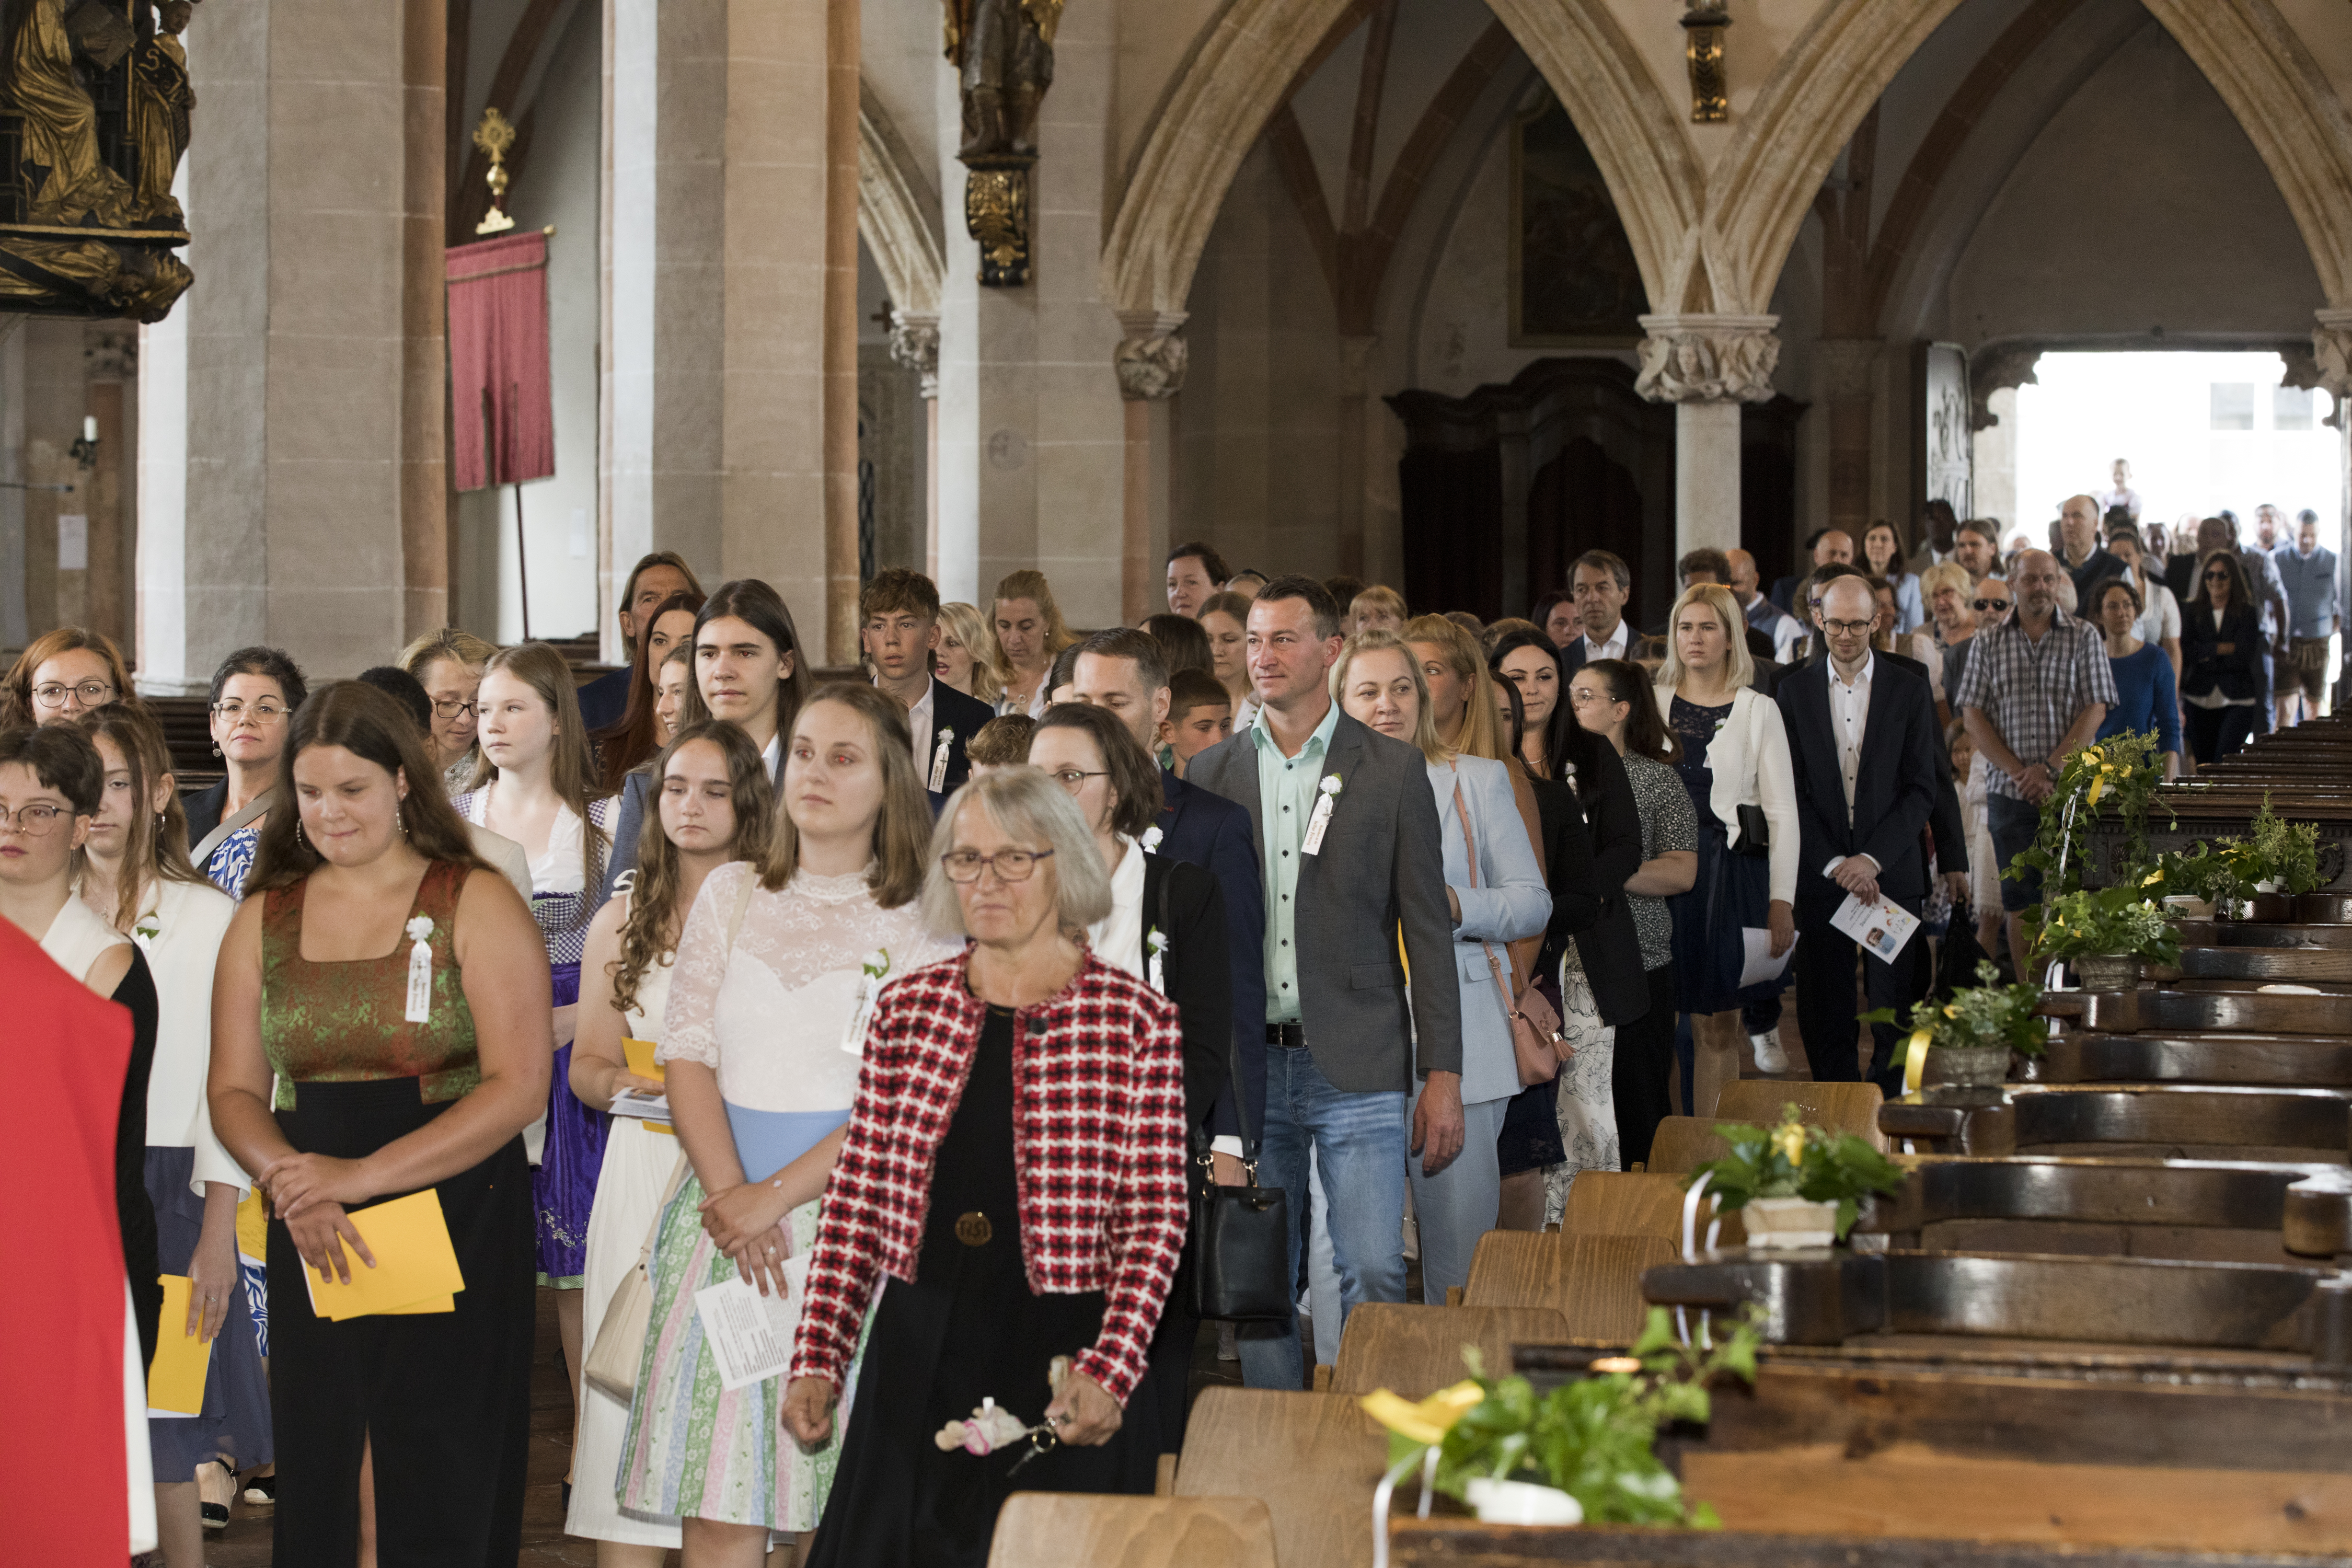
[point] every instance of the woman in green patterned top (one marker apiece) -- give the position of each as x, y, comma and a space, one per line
396, 989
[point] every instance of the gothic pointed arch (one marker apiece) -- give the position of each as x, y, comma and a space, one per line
892, 219
1246, 67
1846, 57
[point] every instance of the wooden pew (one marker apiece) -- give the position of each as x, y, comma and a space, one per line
1416, 1350
1312, 1459
1056, 1530
1593, 1282
1639, 1203
1684, 1143
1834, 1107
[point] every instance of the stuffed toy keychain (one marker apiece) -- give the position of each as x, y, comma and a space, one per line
992, 1426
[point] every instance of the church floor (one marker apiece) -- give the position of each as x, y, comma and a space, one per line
245, 1542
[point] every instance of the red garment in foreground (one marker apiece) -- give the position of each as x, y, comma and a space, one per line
497, 345
62, 1376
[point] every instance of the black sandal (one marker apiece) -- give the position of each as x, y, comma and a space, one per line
261, 1492
215, 1514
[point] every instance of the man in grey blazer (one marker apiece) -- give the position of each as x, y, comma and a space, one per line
1348, 842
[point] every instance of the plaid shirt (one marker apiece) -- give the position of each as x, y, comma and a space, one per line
2032, 691
1097, 1141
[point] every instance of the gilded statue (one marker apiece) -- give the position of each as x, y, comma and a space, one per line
83, 233
1003, 53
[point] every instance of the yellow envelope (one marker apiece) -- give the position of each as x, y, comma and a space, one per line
176, 1381
641, 1059
252, 1229
415, 1267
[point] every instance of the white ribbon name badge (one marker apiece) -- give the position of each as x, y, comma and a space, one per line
1322, 818
420, 970
939, 762
873, 971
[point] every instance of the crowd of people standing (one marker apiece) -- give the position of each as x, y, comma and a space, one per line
974, 970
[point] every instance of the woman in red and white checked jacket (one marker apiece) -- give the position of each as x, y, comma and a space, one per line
1014, 1162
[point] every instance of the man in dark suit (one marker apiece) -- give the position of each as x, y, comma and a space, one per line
1865, 754
1347, 840
1126, 672
653, 578
1601, 583
897, 627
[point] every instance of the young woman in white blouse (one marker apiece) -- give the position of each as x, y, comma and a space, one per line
136, 876
776, 970
1735, 754
714, 806
536, 786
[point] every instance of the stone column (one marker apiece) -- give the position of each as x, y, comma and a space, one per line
1033, 431
2331, 349
1151, 362
1845, 380
915, 343
288, 437
723, 303
1355, 405
1708, 366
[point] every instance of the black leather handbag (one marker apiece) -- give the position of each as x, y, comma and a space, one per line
1236, 1264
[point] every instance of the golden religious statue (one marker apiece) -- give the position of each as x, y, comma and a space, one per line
1003, 55
83, 233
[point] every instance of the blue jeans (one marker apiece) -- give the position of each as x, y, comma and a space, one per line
1359, 1143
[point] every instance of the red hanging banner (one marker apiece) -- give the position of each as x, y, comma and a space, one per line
498, 378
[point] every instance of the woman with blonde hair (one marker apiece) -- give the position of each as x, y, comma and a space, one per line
448, 664
779, 967
536, 784
1734, 765
1494, 888
714, 806
1030, 634
967, 653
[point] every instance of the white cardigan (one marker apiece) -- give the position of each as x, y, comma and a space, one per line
1749, 756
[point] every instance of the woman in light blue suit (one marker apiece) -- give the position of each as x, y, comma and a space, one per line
1502, 900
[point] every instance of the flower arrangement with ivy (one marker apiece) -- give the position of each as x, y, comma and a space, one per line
2276, 850
2088, 924
2117, 776
1794, 1161
1591, 1436
1985, 1014
2204, 872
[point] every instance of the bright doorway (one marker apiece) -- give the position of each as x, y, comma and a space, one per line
2202, 432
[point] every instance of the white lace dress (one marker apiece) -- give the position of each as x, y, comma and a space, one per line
770, 1017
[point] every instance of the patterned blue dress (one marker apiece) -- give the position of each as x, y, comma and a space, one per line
565, 894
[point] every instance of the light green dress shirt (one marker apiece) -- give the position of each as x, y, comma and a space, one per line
1286, 791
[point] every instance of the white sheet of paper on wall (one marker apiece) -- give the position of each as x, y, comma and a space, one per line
73, 542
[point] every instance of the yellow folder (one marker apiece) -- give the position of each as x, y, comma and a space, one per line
415, 1267
641, 1059
176, 1379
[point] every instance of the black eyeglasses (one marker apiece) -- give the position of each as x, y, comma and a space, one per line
1986, 606
33, 821
91, 693
449, 708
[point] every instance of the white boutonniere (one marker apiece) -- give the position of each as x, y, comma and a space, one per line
420, 970
1151, 838
872, 970
940, 758
1155, 942
1316, 824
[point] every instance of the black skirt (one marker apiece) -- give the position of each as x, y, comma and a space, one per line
966, 1329
445, 1397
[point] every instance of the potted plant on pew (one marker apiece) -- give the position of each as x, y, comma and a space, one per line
1798, 1185
2275, 861
2115, 777
2194, 886
1968, 1040
2105, 935
1581, 1452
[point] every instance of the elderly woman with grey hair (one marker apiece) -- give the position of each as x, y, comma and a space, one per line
1015, 1165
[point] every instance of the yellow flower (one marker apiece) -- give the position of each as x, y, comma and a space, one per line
1791, 1141
2093, 752
2151, 879
1428, 1420
1952, 1010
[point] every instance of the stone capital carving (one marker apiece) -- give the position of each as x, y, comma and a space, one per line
1150, 368
915, 343
1844, 368
2331, 353
1708, 359
1994, 367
